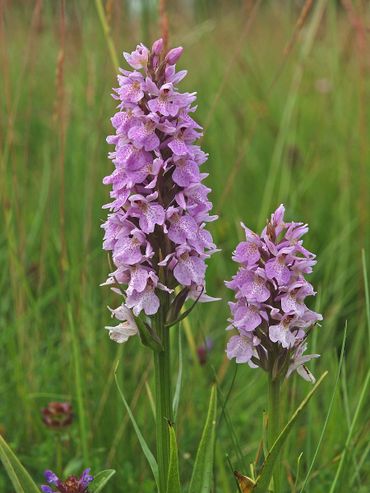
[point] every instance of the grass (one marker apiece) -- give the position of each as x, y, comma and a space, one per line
289, 128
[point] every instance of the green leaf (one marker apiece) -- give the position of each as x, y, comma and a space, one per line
173, 478
18, 475
265, 476
100, 480
176, 397
144, 446
363, 395
201, 478
183, 314
341, 359
176, 305
148, 336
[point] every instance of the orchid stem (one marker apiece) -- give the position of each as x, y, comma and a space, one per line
163, 402
274, 424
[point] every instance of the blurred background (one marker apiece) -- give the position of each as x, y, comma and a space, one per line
283, 95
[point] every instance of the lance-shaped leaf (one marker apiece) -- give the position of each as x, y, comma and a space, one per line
148, 336
265, 475
100, 480
201, 479
185, 313
18, 475
144, 446
173, 479
176, 305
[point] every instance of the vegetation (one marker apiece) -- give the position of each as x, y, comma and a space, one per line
286, 116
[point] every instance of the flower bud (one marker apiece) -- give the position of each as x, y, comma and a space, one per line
157, 47
173, 55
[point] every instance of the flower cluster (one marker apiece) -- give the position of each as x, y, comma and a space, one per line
156, 228
57, 415
270, 288
70, 485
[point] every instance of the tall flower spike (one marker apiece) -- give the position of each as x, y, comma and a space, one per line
269, 312
156, 228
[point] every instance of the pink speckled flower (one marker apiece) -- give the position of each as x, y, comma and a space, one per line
159, 207
270, 287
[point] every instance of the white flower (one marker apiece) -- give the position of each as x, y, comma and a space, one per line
298, 363
127, 328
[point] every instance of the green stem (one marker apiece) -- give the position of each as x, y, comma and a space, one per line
274, 427
58, 449
163, 403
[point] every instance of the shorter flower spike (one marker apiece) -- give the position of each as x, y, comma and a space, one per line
269, 311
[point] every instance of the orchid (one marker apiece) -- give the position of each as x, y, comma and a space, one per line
270, 314
156, 228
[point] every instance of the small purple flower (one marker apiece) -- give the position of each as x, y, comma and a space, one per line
254, 286
298, 363
247, 316
248, 251
129, 249
189, 269
282, 332
73, 484
139, 58
182, 227
241, 347
270, 314
144, 133
159, 207
131, 88
276, 268
148, 211
186, 172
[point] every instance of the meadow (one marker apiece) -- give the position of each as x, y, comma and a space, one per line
285, 107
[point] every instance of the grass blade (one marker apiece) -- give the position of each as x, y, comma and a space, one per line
366, 288
201, 478
18, 475
82, 416
107, 33
144, 446
305, 482
364, 387
297, 473
350, 433
173, 479
265, 476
